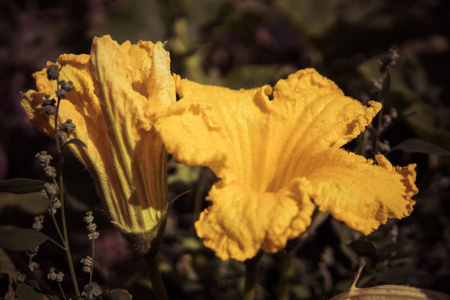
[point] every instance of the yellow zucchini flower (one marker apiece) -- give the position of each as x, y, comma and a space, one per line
118, 93
273, 156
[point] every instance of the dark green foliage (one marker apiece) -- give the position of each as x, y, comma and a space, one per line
117, 294
420, 146
21, 185
20, 239
32, 291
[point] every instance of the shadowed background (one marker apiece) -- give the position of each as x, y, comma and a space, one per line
244, 44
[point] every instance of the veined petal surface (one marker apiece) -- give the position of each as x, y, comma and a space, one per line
263, 148
359, 192
241, 221
119, 92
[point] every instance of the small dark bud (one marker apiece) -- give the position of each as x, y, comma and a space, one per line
61, 93
93, 235
51, 189
21, 277
33, 266
48, 105
50, 110
89, 218
44, 195
43, 159
48, 101
32, 252
38, 223
50, 171
53, 276
91, 227
62, 136
67, 126
53, 72
390, 59
87, 264
66, 85
54, 206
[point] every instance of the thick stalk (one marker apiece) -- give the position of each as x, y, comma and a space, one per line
250, 277
155, 277
198, 200
150, 259
285, 276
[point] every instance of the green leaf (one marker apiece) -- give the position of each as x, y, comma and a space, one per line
344, 234
21, 185
92, 290
310, 17
204, 17
391, 248
27, 292
134, 20
32, 203
117, 294
420, 146
364, 248
20, 239
251, 76
391, 292
427, 123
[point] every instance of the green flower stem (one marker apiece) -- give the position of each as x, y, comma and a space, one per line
55, 222
63, 213
62, 291
155, 277
198, 199
56, 243
250, 277
92, 268
382, 96
286, 273
378, 132
150, 259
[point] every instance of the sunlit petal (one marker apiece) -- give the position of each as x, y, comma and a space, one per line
261, 148
119, 92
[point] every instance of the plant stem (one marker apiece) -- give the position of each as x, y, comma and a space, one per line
378, 130
285, 276
55, 222
198, 199
62, 291
250, 277
56, 243
92, 268
155, 277
63, 212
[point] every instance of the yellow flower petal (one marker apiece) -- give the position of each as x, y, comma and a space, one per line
263, 146
241, 222
119, 92
359, 193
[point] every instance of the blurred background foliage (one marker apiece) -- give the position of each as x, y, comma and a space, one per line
244, 44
